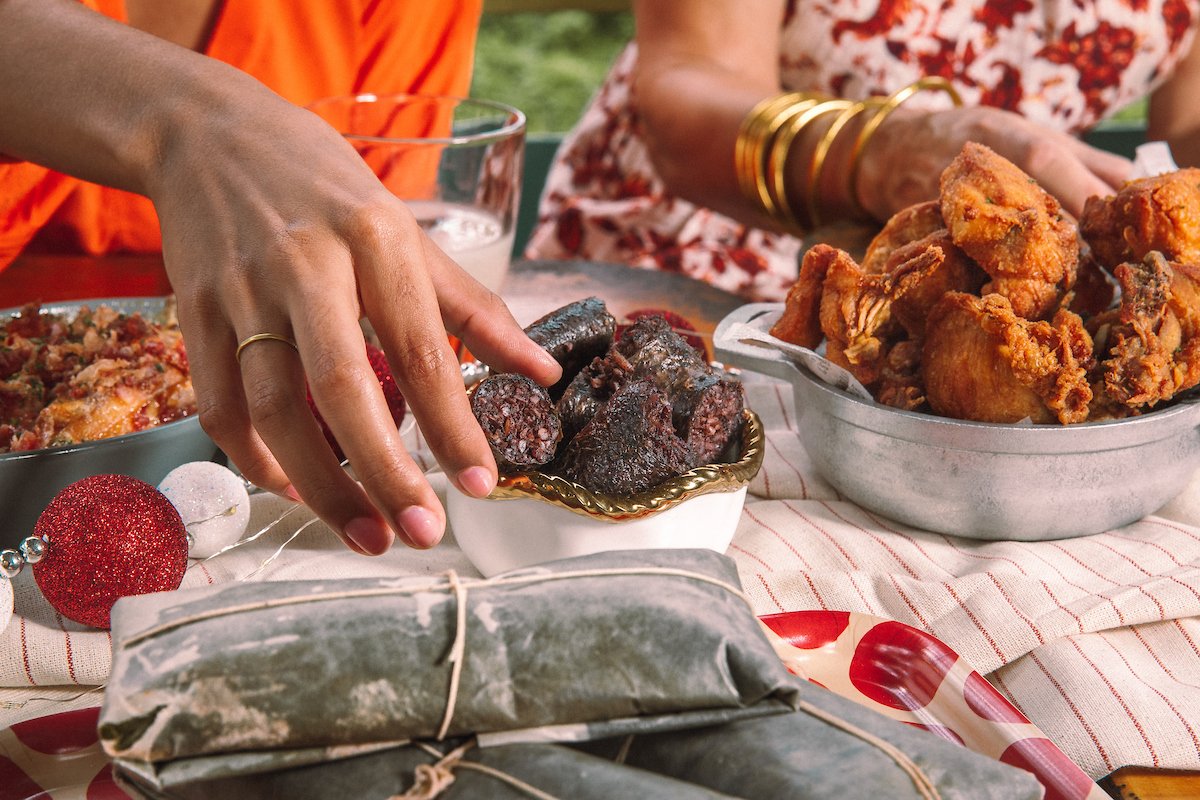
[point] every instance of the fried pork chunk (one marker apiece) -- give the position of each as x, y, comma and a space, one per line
1158, 213
800, 322
1015, 230
981, 361
1152, 350
862, 315
905, 226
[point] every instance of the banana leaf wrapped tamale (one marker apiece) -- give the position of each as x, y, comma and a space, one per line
829, 747
583, 648
465, 772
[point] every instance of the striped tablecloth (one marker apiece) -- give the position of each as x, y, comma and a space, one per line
1096, 640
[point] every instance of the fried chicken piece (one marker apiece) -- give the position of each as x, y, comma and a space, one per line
983, 362
800, 322
856, 318
1157, 213
900, 385
925, 270
905, 226
1152, 350
863, 315
1015, 230
1094, 289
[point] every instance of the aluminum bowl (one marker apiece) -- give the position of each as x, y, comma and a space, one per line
532, 517
29, 480
972, 479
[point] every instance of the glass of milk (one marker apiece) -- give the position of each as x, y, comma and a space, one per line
456, 162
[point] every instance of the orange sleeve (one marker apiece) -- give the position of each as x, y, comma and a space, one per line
31, 194
422, 48
302, 49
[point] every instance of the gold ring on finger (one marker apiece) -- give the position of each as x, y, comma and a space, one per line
262, 337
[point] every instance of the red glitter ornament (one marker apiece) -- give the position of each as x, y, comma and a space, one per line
108, 537
391, 393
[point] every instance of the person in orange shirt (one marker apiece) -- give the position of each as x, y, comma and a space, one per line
138, 125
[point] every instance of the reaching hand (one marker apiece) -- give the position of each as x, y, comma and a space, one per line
273, 224
905, 158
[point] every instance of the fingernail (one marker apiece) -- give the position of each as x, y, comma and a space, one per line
420, 526
371, 535
476, 481
289, 493
550, 363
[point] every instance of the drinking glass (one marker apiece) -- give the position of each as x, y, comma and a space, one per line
456, 162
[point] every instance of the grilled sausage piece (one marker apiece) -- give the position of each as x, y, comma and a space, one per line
518, 419
574, 335
629, 445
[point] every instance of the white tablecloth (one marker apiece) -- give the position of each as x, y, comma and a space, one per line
1096, 639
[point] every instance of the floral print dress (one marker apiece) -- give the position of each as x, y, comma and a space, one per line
1063, 63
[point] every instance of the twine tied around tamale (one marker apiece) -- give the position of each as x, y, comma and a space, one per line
385, 591
457, 650
452, 583
430, 780
921, 782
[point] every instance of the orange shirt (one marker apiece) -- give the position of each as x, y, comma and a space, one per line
303, 50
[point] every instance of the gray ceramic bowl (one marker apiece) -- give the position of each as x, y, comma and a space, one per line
30, 480
973, 479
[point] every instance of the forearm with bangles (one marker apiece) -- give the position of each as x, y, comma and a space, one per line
798, 155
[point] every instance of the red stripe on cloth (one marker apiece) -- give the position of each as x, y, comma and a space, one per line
1083, 590
1179, 716
879, 541
1016, 609
67, 644
983, 556
1163, 523
807, 569
207, 575
1149, 543
1136, 630
975, 621
1108, 765
782, 400
780, 537
1117, 696
1187, 637
912, 607
879, 522
849, 559
792, 467
748, 554
767, 588
25, 655
1162, 612
997, 680
1059, 603
1143, 543
845, 556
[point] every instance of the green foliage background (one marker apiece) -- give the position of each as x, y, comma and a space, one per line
547, 64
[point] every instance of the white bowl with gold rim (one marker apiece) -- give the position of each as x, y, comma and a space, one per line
532, 517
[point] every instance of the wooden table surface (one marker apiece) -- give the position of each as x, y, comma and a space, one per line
47, 279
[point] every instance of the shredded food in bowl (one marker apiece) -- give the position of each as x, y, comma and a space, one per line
66, 379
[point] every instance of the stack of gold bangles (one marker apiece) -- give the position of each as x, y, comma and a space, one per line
765, 138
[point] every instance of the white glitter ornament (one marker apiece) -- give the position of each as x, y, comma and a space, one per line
213, 503
6, 603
